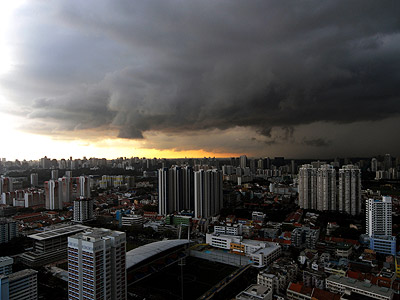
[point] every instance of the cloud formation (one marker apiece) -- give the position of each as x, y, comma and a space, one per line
175, 67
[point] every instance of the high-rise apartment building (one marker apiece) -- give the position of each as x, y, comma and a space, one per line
53, 194
308, 187
379, 216
54, 174
66, 186
208, 194
379, 225
326, 188
243, 161
96, 265
349, 199
175, 189
8, 230
34, 179
83, 209
374, 165
83, 187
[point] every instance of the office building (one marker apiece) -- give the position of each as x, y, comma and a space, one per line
308, 187
6, 265
53, 195
8, 230
326, 188
379, 216
96, 265
349, 200
208, 195
50, 245
20, 285
83, 209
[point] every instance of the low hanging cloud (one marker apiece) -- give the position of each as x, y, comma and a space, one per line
184, 66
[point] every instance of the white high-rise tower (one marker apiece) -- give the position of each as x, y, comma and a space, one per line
308, 187
350, 190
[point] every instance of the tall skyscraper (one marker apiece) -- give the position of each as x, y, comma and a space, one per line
379, 216
326, 188
96, 265
175, 189
83, 209
53, 194
208, 193
350, 190
308, 187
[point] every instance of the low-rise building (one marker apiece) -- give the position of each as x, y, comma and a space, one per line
278, 275
132, 220
339, 284
385, 244
235, 229
255, 292
262, 253
50, 245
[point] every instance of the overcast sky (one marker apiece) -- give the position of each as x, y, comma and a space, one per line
175, 78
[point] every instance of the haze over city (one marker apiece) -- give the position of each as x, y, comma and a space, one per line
204, 78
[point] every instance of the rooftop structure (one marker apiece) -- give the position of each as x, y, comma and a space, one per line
341, 284
142, 253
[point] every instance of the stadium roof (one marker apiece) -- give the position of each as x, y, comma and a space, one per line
142, 253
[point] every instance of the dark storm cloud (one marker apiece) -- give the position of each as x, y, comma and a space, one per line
319, 142
180, 66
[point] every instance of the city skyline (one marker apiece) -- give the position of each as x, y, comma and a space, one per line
173, 79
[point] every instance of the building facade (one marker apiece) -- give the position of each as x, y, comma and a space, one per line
349, 200
96, 265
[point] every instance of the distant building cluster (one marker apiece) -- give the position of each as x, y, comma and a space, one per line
181, 188
319, 188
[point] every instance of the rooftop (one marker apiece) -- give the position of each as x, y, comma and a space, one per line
61, 231
361, 285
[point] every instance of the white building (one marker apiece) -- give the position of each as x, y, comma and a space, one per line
83, 209
379, 216
96, 265
236, 229
255, 292
132, 220
262, 253
349, 199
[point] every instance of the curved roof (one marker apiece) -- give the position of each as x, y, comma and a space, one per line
142, 253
